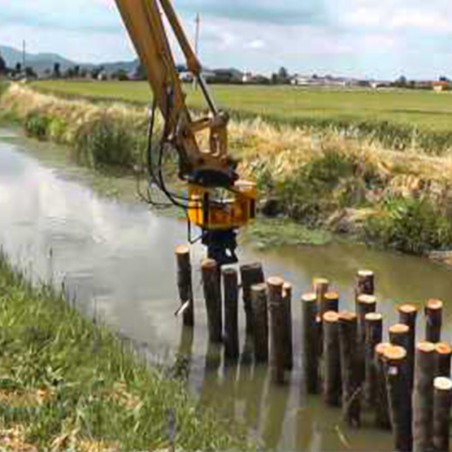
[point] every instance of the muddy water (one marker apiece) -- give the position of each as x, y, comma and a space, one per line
116, 260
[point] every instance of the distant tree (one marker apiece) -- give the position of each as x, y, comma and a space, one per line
57, 70
96, 71
444, 79
3, 66
120, 75
401, 82
18, 68
140, 73
283, 75
69, 73
30, 72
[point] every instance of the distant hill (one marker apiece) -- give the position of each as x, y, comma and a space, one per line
42, 61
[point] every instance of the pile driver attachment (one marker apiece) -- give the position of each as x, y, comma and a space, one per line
218, 202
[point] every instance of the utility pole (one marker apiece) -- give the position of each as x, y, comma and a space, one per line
197, 36
24, 56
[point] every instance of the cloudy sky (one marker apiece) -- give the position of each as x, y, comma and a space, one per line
373, 38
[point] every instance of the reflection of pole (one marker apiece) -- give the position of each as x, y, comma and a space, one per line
197, 36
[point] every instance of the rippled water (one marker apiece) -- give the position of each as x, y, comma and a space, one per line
117, 260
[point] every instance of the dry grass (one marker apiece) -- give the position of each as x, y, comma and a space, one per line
316, 174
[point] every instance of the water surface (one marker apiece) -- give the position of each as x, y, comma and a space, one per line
116, 259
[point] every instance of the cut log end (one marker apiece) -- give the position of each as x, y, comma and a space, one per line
182, 250
259, 288
347, 316
399, 328
394, 353
381, 347
443, 384
443, 348
309, 298
331, 317
434, 305
408, 309
365, 273
373, 317
275, 281
208, 264
331, 296
322, 282
425, 347
367, 299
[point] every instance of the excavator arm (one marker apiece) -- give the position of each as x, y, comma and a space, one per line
204, 170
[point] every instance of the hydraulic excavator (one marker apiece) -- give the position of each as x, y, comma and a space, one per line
216, 200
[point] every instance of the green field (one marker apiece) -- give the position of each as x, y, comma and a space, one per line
422, 109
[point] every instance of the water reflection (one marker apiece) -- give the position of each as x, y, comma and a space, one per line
117, 260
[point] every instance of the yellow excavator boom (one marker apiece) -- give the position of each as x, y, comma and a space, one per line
205, 170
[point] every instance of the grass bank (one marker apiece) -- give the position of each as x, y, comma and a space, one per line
323, 180
398, 119
68, 384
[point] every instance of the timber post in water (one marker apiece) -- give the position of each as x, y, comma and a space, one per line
373, 323
351, 391
250, 274
260, 321
212, 295
365, 304
408, 316
443, 353
332, 381
434, 320
365, 283
399, 396
321, 288
399, 334
310, 342
423, 397
275, 301
382, 419
288, 340
331, 301
441, 413
231, 300
184, 284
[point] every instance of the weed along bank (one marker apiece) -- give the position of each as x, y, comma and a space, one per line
321, 180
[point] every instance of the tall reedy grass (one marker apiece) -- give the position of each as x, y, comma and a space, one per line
314, 174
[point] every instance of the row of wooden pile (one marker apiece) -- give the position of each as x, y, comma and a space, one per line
405, 382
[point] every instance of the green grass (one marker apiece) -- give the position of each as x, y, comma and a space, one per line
268, 233
423, 109
66, 383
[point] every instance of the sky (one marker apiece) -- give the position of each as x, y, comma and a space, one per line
365, 38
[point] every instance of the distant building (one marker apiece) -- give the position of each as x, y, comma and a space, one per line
440, 86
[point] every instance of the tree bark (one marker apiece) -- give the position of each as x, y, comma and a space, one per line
423, 396
434, 320
184, 283
441, 413
351, 397
231, 300
212, 295
260, 322
332, 384
250, 274
275, 300
310, 343
373, 323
